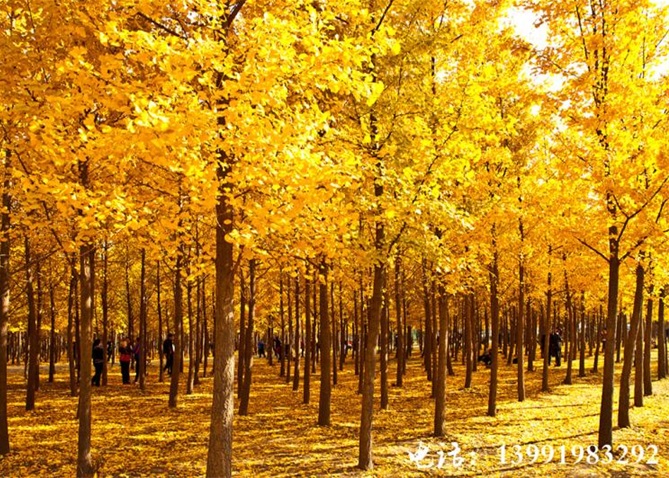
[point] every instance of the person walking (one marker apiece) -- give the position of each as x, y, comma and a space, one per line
168, 352
98, 361
125, 356
555, 347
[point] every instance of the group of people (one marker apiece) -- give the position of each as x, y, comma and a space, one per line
276, 347
554, 346
554, 349
127, 353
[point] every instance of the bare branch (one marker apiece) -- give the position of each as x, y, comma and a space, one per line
233, 14
642, 207
383, 16
638, 244
161, 26
596, 251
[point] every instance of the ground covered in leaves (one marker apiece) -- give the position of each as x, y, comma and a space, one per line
135, 434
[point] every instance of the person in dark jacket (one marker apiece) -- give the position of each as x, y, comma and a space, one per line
125, 356
98, 361
555, 347
168, 352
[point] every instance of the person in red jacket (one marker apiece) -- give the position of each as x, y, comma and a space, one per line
125, 356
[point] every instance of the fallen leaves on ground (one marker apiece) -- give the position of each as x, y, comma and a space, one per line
136, 434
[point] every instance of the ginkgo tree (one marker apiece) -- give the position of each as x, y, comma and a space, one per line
608, 57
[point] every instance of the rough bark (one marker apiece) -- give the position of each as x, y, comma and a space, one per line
383, 358
52, 334
104, 297
245, 396
647, 346
33, 331
178, 325
494, 319
440, 391
400, 327
142, 323
296, 340
638, 366
71, 333
520, 327
86, 280
661, 339
219, 457
468, 319
159, 307
306, 392
4, 307
326, 345
624, 393
605, 432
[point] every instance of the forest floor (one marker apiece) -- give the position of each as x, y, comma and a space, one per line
135, 434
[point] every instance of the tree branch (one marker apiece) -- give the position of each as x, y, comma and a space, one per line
161, 26
592, 249
233, 14
383, 16
633, 248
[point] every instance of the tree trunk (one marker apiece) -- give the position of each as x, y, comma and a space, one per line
435, 324
400, 327
638, 365
191, 338
531, 336
71, 349
219, 457
205, 329
104, 297
306, 393
326, 345
333, 335
600, 333
87, 282
52, 335
245, 397
648, 329
427, 340
4, 305
494, 319
581, 363
296, 341
661, 339
440, 391
468, 320
282, 355
33, 331
520, 325
569, 352
144, 345
343, 330
159, 306
128, 298
605, 433
199, 337
385, 326
178, 325
624, 394
365, 459
622, 333
241, 349
292, 342
315, 331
